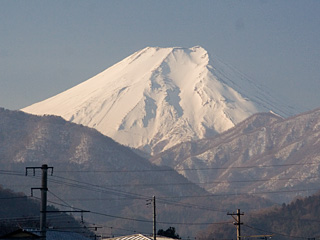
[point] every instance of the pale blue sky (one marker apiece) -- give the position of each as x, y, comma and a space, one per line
49, 46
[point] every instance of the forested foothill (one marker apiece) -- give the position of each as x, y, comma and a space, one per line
296, 220
19, 211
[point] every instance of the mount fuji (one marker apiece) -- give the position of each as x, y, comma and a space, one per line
159, 97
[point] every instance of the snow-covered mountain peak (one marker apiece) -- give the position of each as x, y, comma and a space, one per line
158, 97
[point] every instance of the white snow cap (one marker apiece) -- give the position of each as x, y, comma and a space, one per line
159, 97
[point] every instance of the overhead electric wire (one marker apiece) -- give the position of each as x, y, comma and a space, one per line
88, 186
159, 200
160, 222
242, 193
143, 197
19, 218
67, 205
213, 182
193, 223
117, 228
198, 183
180, 223
62, 205
141, 220
171, 202
273, 233
9, 198
187, 169
15, 173
98, 188
132, 196
188, 205
59, 198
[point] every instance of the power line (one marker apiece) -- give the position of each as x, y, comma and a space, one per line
273, 233
15, 173
19, 218
88, 186
143, 197
241, 193
140, 196
160, 200
196, 224
141, 220
177, 204
59, 198
191, 183
149, 221
213, 182
59, 204
117, 228
188, 205
186, 169
9, 198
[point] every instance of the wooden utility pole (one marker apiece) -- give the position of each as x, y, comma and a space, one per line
154, 219
237, 222
153, 200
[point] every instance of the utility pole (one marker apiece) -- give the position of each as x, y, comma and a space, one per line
237, 222
154, 219
43, 189
153, 200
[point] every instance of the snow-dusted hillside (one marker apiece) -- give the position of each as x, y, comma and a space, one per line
158, 97
93, 172
262, 154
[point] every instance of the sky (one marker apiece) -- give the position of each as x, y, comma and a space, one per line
47, 47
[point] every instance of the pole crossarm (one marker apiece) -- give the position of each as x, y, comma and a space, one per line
237, 222
34, 170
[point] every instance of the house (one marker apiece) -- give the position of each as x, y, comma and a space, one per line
24, 234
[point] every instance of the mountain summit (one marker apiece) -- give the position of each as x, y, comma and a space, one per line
158, 97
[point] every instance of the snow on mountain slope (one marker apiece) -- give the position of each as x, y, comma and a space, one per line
264, 153
158, 97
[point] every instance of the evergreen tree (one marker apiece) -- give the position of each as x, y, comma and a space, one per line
170, 232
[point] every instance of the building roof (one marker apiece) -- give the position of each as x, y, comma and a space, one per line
130, 237
138, 237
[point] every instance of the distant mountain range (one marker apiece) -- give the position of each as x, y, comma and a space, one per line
93, 172
73, 149
159, 97
263, 154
